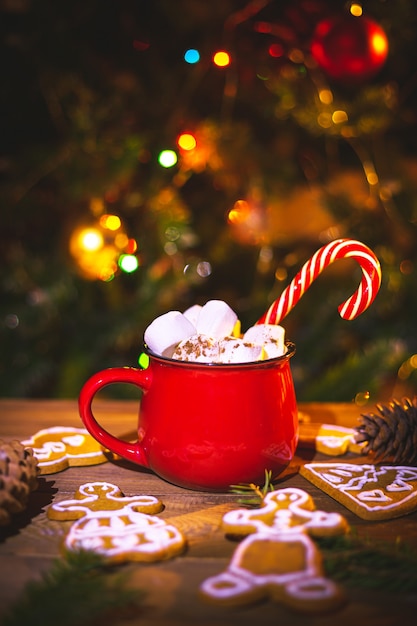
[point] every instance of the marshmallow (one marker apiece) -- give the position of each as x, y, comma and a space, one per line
216, 319
235, 350
198, 348
270, 336
166, 331
192, 313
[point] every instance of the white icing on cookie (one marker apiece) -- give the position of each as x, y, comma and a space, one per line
284, 510
379, 492
59, 447
286, 567
116, 525
277, 559
125, 534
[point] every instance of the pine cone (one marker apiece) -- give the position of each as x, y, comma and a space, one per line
18, 477
392, 435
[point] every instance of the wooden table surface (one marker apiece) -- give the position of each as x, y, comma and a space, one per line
30, 544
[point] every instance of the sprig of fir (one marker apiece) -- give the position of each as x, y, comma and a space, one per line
368, 564
258, 493
78, 590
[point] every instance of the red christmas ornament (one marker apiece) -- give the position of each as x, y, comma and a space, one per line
349, 48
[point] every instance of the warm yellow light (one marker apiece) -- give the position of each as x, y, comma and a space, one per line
407, 367
121, 241
370, 173
324, 120
356, 9
281, 274
372, 178
111, 222
379, 44
187, 141
90, 239
239, 213
325, 96
339, 117
221, 58
362, 398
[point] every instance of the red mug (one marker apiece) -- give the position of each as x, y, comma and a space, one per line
205, 427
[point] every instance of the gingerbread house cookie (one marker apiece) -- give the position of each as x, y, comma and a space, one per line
372, 492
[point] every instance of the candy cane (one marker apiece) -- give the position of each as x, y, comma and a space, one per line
338, 249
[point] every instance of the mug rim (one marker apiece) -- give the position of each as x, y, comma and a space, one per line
290, 351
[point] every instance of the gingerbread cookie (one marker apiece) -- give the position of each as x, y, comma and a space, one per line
328, 439
372, 492
284, 510
278, 559
60, 447
119, 528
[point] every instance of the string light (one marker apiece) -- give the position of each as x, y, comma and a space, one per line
143, 360
102, 248
239, 213
356, 9
221, 58
112, 222
186, 141
192, 56
89, 239
128, 263
275, 50
167, 158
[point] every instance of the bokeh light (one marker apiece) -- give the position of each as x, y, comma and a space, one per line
221, 58
186, 141
356, 9
143, 360
275, 50
192, 56
112, 222
101, 249
89, 239
167, 158
239, 213
128, 263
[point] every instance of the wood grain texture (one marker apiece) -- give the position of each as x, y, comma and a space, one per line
32, 541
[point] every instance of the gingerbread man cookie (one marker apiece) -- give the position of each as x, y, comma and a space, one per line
284, 510
60, 447
372, 492
118, 527
278, 559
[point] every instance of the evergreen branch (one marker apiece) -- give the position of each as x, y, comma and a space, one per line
362, 563
78, 590
258, 492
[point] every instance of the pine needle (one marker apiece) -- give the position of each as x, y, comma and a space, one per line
362, 563
258, 493
76, 591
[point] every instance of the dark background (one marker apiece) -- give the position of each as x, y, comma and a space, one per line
93, 91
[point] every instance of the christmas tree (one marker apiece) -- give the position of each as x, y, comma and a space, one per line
158, 154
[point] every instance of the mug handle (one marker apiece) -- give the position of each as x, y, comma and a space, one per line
132, 375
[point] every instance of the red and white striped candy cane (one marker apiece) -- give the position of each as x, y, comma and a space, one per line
338, 249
